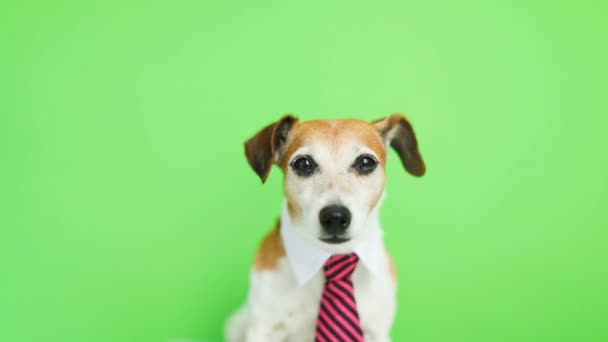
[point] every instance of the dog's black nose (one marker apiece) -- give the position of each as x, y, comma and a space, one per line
334, 219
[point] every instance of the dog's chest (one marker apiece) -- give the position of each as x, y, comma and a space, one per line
292, 309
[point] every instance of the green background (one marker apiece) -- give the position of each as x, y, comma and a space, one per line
129, 212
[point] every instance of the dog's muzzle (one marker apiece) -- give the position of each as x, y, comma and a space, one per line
334, 219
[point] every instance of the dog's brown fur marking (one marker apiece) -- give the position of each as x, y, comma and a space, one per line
270, 251
295, 210
392, 266
377, 196
331, 132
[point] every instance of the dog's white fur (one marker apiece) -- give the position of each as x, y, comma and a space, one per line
278, 308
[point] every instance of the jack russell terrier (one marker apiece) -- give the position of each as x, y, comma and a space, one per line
323, 273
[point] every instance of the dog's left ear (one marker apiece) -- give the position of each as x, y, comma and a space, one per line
397, 131
265, 147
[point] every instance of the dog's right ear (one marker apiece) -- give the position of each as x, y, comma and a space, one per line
265, 147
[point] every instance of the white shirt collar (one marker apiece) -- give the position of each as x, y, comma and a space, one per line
307, 258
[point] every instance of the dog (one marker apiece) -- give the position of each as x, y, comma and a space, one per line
334, 177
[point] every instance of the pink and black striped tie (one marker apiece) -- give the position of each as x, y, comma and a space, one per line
338, 319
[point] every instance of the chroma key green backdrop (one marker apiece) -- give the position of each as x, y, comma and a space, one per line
130, 214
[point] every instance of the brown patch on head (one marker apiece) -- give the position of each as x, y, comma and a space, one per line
271, 250
334, 132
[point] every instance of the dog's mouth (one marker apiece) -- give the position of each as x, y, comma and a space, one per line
334, 239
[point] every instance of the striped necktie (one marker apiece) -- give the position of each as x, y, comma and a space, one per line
338, 319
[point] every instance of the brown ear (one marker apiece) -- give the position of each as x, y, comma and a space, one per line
263, 149
397, 131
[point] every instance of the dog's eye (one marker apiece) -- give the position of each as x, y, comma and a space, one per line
304, 166
365, 164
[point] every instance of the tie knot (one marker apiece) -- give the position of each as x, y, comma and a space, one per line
339, 267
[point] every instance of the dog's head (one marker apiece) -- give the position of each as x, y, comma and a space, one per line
334, 170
